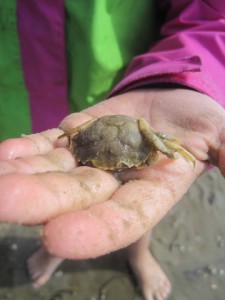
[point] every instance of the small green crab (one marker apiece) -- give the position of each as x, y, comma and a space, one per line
117, 142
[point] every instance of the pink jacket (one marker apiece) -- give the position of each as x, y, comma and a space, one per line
191, 51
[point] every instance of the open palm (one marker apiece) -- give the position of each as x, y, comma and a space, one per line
88, 212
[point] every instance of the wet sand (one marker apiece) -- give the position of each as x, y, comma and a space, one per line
189, 243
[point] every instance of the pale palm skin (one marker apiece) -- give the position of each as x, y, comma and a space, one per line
146, 195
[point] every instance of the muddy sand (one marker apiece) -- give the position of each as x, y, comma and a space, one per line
189, 243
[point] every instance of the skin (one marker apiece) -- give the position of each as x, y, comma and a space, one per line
71, 201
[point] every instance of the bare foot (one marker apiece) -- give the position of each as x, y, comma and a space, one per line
41, 266
151, 278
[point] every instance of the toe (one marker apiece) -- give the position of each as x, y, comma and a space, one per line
40, 281
158, 295
33, 271
148, 296
164, 291
167, 289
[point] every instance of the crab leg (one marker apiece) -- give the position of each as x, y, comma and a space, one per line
152, 137
174, 143
75, 130
167, 136
164, 142
186, 154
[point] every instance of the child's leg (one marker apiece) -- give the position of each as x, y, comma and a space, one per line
41, 266
152, 280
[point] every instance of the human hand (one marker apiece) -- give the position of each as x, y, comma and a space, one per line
86, 212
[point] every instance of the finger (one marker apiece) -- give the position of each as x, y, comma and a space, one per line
74, 120
40, 143
132, 210
34, 199
27, 145
60, 159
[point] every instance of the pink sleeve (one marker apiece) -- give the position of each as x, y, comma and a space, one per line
191, 51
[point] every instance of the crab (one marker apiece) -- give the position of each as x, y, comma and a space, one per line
118, 142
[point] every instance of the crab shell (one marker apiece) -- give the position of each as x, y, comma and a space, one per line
111, 142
